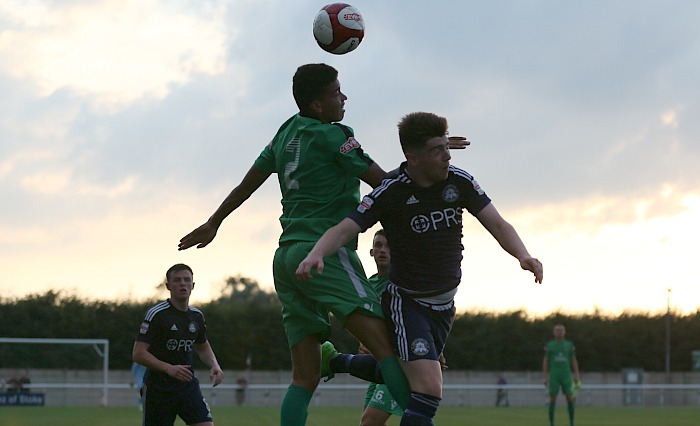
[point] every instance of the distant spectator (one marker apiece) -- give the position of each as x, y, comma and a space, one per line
240, 392
13, 384
24, 380
502, 392
18, 382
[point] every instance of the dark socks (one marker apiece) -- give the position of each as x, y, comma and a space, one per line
365, 367
362, 366
421, 410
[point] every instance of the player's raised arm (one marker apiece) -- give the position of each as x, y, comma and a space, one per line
330, 242
374, 175
205, 233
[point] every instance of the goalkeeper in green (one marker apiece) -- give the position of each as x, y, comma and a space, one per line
557, 366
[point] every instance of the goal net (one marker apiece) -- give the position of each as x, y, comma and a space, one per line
38, 371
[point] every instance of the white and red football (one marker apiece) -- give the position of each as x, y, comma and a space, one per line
339, 28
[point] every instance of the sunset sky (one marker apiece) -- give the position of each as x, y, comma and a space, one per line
124, 124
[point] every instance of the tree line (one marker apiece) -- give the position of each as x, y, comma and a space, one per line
245, 325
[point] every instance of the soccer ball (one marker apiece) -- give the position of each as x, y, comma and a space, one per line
339, 28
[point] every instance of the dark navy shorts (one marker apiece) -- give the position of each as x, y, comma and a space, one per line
417, 331
161, 407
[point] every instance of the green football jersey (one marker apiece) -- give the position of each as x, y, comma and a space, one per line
559, 355
317, 167
379, 283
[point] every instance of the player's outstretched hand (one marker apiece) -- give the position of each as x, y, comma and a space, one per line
458, 142
201, 236
216, 376
533, 265
307, 265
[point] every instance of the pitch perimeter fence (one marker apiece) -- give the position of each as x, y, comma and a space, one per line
461, 388
102, 386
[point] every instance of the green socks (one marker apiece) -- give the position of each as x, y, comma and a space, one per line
395, 379
551, 413
295, 406
570, 408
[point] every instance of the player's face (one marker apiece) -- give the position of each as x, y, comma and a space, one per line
332, 104
433, 160
180, 285
559, 332
380, 251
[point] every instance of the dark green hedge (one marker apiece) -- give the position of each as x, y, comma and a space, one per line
246, 322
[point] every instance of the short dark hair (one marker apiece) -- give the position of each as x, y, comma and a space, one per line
176, 268
416, 128
381, 232
309, 83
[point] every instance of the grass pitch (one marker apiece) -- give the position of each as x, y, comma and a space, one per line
342, 416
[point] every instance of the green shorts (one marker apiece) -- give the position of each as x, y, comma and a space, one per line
381, 399
341, 289
560, 380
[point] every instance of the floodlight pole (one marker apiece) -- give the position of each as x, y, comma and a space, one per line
668, 336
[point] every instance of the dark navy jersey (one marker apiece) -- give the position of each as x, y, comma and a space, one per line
171, 334
423, 227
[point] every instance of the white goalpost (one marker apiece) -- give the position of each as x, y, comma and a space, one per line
100, 346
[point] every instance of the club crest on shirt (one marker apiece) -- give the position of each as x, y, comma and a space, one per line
420, 347
450, 193
144, 328
192, 327
348, 146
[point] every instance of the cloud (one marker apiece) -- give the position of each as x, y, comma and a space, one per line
592, 258
128, 123
670, 118
111, 52
125, 251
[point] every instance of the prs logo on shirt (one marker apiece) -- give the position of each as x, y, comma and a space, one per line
180, 345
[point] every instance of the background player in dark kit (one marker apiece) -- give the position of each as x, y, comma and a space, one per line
170, 332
